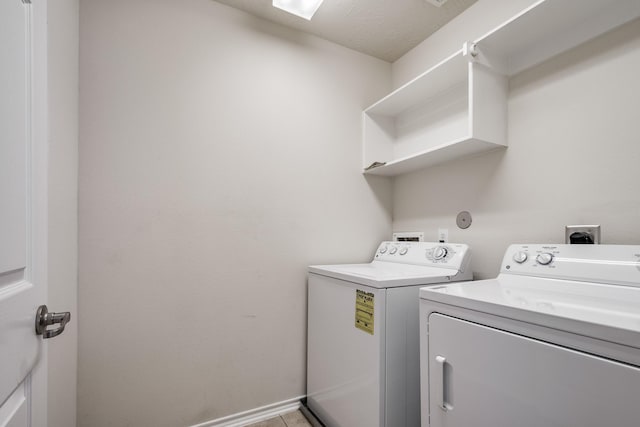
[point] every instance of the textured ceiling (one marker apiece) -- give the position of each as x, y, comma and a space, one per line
386, 29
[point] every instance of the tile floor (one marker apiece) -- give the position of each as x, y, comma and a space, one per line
292, 419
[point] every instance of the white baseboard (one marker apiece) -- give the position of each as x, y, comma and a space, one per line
255, 415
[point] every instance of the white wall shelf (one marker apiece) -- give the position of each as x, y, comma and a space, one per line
549, 28
458, 107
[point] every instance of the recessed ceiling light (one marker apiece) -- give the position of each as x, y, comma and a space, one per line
437, 2
302, 8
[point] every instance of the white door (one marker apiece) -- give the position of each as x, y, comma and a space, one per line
479, 376
23, 203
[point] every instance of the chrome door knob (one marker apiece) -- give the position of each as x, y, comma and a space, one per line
44, 319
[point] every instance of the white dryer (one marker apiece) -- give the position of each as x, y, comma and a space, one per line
363, 333
553, 341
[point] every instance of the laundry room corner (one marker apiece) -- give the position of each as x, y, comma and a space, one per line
571, 155
327, 213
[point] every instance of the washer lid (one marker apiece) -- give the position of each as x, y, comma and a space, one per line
380, 274
603, 311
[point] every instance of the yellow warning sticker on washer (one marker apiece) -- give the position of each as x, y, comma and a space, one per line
364, 311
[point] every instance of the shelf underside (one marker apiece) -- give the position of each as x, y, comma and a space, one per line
433, 156
551, 27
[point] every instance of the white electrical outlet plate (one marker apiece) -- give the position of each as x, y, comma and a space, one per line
408, 236
593, 230
443, 235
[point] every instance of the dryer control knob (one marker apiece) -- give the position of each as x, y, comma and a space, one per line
404, 251
383, 249
393, 250
440, 252
520, 257
544, 258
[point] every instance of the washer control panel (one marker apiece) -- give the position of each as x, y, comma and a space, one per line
423, 253
593, 263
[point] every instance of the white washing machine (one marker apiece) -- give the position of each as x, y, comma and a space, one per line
553, 341
363, 333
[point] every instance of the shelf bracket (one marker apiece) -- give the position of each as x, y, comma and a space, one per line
475, 53
470, 50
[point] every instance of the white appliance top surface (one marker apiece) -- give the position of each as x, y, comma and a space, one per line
380, 274
403, 264
607, 310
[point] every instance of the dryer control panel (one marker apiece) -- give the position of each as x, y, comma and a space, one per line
448, 255
616, 264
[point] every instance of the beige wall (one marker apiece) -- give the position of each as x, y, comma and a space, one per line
63, 207
220, 155
573, 158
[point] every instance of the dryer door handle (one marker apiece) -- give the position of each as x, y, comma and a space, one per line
440, 384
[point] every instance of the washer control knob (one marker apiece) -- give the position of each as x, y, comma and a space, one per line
393, 250
404, 251
383, 249
440, 252
544, 258
520, 257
